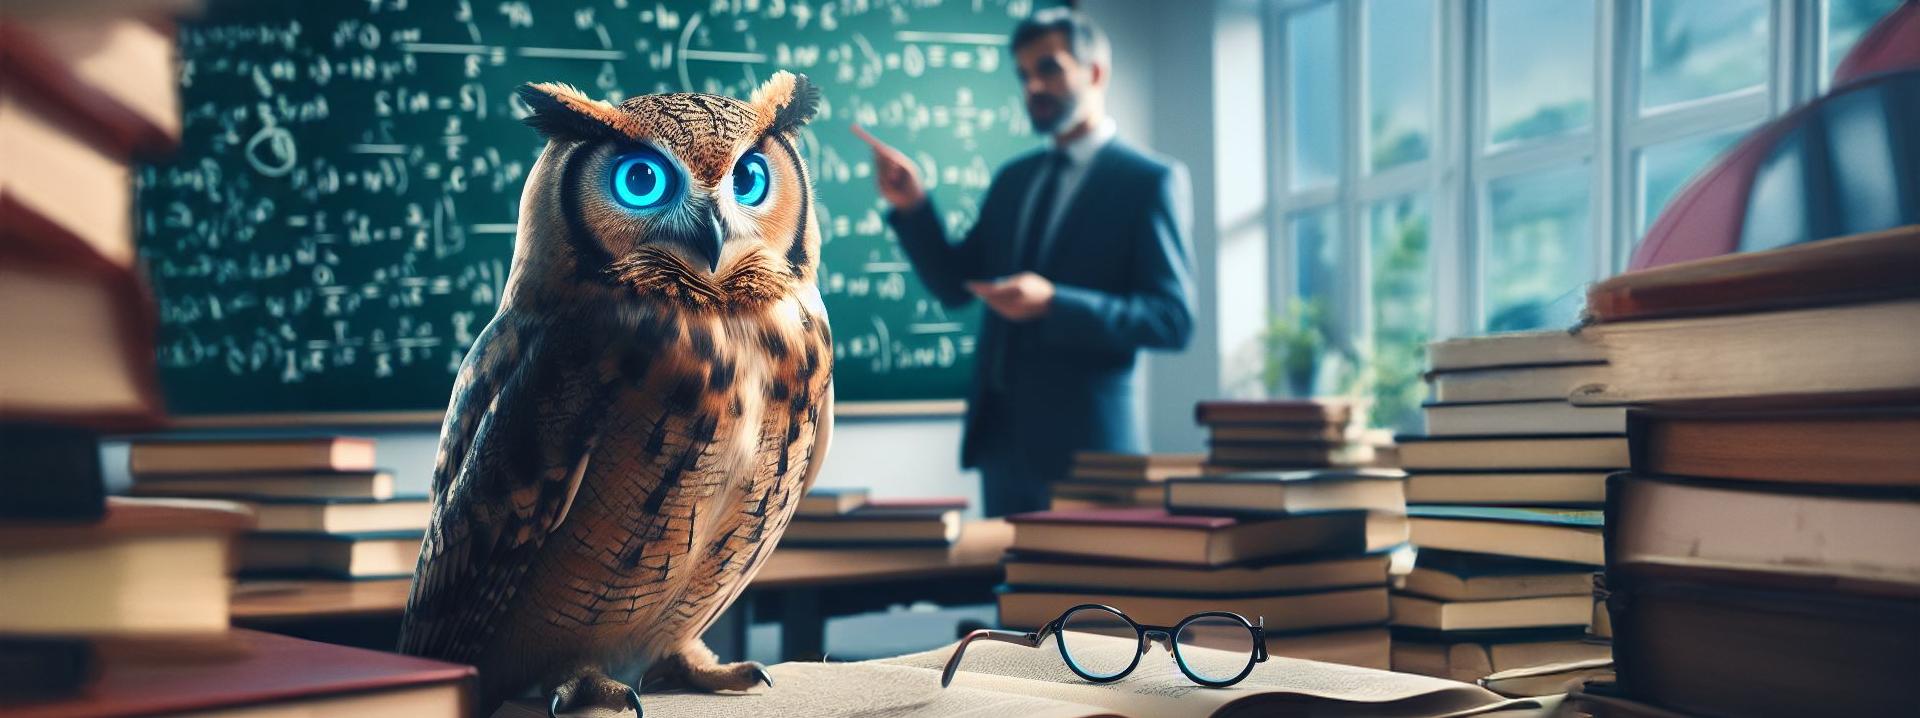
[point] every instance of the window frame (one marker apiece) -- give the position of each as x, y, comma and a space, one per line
1457, 175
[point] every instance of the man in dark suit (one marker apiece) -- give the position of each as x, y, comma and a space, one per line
1080, 250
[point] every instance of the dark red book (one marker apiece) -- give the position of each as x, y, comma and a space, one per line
1151, 534
1297, 411
317, 678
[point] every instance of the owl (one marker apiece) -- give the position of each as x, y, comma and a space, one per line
629, 436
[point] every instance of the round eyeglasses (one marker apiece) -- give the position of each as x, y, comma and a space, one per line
1102, 645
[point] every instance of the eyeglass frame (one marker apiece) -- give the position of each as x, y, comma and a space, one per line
1142, 633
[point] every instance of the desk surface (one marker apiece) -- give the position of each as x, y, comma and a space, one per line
977, 553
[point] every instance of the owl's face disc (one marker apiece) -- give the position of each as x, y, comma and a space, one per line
690, 199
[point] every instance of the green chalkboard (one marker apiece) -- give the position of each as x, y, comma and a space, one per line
339, 219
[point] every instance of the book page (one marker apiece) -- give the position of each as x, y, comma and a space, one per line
869, 690
1158, 688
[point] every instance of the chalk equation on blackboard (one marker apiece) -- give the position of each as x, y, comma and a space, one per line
342, 212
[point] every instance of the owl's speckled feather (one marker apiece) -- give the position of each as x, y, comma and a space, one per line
630, 435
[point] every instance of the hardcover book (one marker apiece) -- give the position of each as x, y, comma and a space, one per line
1152, 534
1288, 492
1565, 535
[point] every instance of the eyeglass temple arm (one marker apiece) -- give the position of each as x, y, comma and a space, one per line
1015, 637
1260, 640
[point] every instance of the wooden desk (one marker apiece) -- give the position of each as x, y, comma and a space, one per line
807, 586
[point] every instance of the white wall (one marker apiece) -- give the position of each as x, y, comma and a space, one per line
1188, 80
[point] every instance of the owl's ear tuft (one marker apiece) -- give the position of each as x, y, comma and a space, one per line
785, 102
560, 111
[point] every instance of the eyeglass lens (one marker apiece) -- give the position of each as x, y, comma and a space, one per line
1088, 636
1231, 643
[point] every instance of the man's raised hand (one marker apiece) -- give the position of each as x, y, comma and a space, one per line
893, 173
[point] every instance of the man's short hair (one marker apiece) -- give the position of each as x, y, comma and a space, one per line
1084, 39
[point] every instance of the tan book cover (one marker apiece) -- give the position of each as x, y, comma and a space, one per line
1538, 348
323, 453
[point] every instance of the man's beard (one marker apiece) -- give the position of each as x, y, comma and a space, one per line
1063, 107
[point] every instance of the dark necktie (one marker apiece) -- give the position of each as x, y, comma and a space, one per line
1041, 214
1030, 237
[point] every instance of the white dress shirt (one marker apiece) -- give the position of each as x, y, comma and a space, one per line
1079, 157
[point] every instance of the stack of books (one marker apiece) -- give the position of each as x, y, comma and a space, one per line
88, 582
1307, 553
850, 518
1505, 492
149, 580
324, 510
82, 96
1466, 616
1501, 431
1761, 553
1103, 480
1283, 434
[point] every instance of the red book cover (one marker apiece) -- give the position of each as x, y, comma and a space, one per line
1297, 411
278, 668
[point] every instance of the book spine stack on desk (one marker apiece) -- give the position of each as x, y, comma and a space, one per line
1761, 551
849, 518
1309, 553
1286, 434
81, 99
86, 580
324, 510
1103, 480
1505, 491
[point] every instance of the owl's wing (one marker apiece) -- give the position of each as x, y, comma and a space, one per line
518, 432
822, 436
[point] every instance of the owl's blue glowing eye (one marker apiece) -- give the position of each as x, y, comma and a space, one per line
643, 179
750, 179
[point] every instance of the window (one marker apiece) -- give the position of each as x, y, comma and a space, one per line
1399, 109
1660, 170
1842, 22
1539, 250
1454, 167
1691, 50
1401, 297
1315, 101
1539, 61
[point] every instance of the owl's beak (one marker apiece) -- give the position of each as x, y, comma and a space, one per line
709, 247
698, 240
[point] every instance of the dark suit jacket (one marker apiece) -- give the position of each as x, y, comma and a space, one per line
1121, 265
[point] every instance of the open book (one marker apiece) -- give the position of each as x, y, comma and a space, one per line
999, 680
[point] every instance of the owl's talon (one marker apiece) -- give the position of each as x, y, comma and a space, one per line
553, 706
760, 672
633, 701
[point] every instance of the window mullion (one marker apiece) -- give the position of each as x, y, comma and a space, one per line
1359, 304
1446, 247
1535, 155
1282, 255
1795, 48
1614, 43
1473, 39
